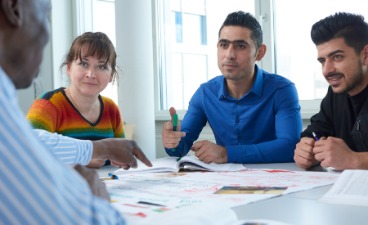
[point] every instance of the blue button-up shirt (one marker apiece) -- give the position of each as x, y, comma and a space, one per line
263, 126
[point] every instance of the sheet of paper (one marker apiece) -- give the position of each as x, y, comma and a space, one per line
350, 188
171, 192
258, 222
165, 164
196, 215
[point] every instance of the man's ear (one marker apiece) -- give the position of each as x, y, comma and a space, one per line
365, 54
261, 52
12, 12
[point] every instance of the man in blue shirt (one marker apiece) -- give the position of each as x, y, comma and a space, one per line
254, 115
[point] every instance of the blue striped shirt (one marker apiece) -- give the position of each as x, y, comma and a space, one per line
35, 186
68, 150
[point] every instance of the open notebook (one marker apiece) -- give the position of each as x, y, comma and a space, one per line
174, 164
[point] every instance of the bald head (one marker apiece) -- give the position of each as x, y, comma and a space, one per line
24, 32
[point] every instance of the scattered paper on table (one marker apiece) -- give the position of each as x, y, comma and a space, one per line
351, 188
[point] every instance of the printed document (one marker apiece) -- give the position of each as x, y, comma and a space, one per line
350, 188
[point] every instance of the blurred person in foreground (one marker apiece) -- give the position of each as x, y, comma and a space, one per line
36, 185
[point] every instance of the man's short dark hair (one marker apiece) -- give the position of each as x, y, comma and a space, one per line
246, 20
351, 27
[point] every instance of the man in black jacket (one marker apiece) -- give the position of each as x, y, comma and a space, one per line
338, 135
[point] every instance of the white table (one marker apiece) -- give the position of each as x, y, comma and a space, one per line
300, 208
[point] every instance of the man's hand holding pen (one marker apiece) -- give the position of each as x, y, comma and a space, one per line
303, 154
330, 152
171, 133
333, 153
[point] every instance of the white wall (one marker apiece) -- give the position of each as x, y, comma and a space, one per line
134, 46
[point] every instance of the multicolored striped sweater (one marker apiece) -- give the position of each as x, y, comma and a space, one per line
54, 112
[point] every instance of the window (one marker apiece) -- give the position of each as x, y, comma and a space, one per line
99, 15
188, 45
296, 55
189, 57
187, 33
103, 15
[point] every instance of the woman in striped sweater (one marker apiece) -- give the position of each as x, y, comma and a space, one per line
79, 111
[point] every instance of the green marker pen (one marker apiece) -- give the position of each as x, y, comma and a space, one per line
175, 125
175, 121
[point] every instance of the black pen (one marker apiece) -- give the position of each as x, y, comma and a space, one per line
149, 203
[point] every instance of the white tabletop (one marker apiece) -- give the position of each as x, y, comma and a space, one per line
300, 208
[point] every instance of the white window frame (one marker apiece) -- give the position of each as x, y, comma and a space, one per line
263, 11
83, 22
264, 14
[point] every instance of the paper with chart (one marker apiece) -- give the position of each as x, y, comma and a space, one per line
350, 188
143, 196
